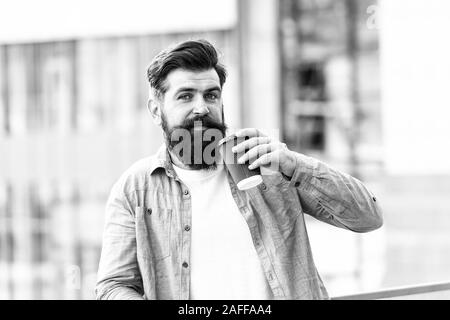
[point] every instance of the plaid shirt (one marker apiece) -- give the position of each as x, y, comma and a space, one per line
147, 234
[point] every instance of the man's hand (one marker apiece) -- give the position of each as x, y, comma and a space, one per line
264, 151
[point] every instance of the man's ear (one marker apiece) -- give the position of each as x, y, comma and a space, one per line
154, 108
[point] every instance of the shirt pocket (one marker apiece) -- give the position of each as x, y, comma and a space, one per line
154, 232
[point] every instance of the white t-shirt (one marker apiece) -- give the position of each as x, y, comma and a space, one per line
224, 263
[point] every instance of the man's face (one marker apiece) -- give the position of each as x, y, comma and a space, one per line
193, 99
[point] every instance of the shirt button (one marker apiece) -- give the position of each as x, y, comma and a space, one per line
297, 184
186, 192
187, 228
185, 265
263, 187
149, 211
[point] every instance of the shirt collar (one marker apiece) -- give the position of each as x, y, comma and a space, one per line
162, 160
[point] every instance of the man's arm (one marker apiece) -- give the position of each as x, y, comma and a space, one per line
325, 193
334, 197
118, 275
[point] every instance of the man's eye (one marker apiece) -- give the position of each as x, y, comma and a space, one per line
211, 96
185, 97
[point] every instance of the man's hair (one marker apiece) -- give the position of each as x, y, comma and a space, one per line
192, 55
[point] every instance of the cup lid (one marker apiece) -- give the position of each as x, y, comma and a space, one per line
249, 182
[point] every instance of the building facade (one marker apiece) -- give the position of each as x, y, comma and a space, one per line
73, 117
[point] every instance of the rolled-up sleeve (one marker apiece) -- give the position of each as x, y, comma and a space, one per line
118, 274
335, 197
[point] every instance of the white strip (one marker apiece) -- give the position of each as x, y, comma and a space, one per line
43, 20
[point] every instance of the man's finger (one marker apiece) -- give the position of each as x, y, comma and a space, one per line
265, 159
249, 132
250, 143
257, 151
271, 159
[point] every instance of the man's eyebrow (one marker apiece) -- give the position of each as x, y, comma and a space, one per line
185, 89
189, 89
215, 88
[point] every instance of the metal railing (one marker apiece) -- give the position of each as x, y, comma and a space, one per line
400, 292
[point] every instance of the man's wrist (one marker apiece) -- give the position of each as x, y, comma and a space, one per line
303, 169
292, 164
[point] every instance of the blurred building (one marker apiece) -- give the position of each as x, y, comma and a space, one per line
330, 82
330, 107
73, 117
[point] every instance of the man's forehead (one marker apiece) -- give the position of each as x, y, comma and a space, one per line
187, 78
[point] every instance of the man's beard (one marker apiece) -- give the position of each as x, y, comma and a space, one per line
194, 141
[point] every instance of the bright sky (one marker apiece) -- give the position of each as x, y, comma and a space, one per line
31, 20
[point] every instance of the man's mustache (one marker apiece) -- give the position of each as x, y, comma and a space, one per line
204, 121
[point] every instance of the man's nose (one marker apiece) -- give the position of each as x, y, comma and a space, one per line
201, 110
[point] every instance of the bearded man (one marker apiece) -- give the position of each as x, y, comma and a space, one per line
177, 227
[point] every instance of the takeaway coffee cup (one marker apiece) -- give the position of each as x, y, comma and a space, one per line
241, 174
